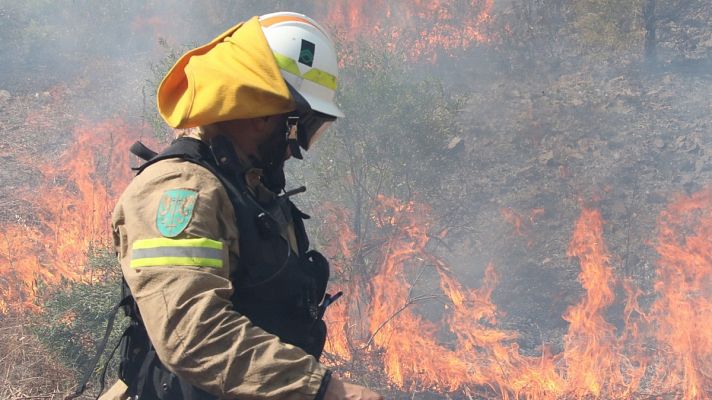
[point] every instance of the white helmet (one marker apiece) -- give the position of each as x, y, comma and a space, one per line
306, 56
307, 59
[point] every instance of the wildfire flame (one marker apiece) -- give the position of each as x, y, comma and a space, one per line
74, 197
466, 351
682, 314
420, 28
592, 349
663, 348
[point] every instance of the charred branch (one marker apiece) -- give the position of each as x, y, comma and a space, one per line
650, 33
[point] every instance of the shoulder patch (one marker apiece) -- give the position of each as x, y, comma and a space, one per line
175, 209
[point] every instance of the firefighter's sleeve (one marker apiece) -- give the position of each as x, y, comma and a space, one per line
176, 238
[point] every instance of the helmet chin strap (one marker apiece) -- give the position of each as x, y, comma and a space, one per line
292, 138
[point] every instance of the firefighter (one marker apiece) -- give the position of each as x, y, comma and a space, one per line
225, 297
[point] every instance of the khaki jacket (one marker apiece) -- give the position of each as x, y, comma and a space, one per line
182, 286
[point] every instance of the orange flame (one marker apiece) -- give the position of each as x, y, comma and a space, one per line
407, 343
420, 28
592, 350
337, 220
682, 314
466, 351
514, 219
74, 199
456, 344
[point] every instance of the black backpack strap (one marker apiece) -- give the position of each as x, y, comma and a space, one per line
219, 158
99, 350
187, 148
140, 150
102, 377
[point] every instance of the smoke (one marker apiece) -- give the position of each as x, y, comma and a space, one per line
565, 111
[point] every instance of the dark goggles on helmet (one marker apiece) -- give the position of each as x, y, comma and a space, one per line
311, 127
310, 124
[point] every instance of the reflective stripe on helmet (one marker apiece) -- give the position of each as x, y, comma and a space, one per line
315, 75
306, 57
276, 19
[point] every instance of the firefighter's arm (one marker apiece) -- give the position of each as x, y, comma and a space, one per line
174, 233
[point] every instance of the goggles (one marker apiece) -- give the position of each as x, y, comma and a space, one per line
305, 123
311, 126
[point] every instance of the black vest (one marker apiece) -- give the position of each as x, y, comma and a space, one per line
278, 289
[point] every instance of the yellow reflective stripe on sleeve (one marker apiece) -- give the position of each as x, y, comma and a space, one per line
315, 75
176, 261
166, 242
161, 252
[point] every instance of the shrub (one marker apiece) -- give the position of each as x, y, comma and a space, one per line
74, 315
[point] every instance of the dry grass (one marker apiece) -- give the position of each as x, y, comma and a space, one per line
28, 370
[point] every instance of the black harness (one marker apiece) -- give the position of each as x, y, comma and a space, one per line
281, 290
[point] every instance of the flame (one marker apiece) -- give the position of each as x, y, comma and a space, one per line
74, 199
395, 328
514, 219
682, 314
592, 349
445, 337
407, 344
384, 324
338, 231
420, 28
464, 350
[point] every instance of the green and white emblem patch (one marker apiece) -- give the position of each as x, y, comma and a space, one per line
175, 210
